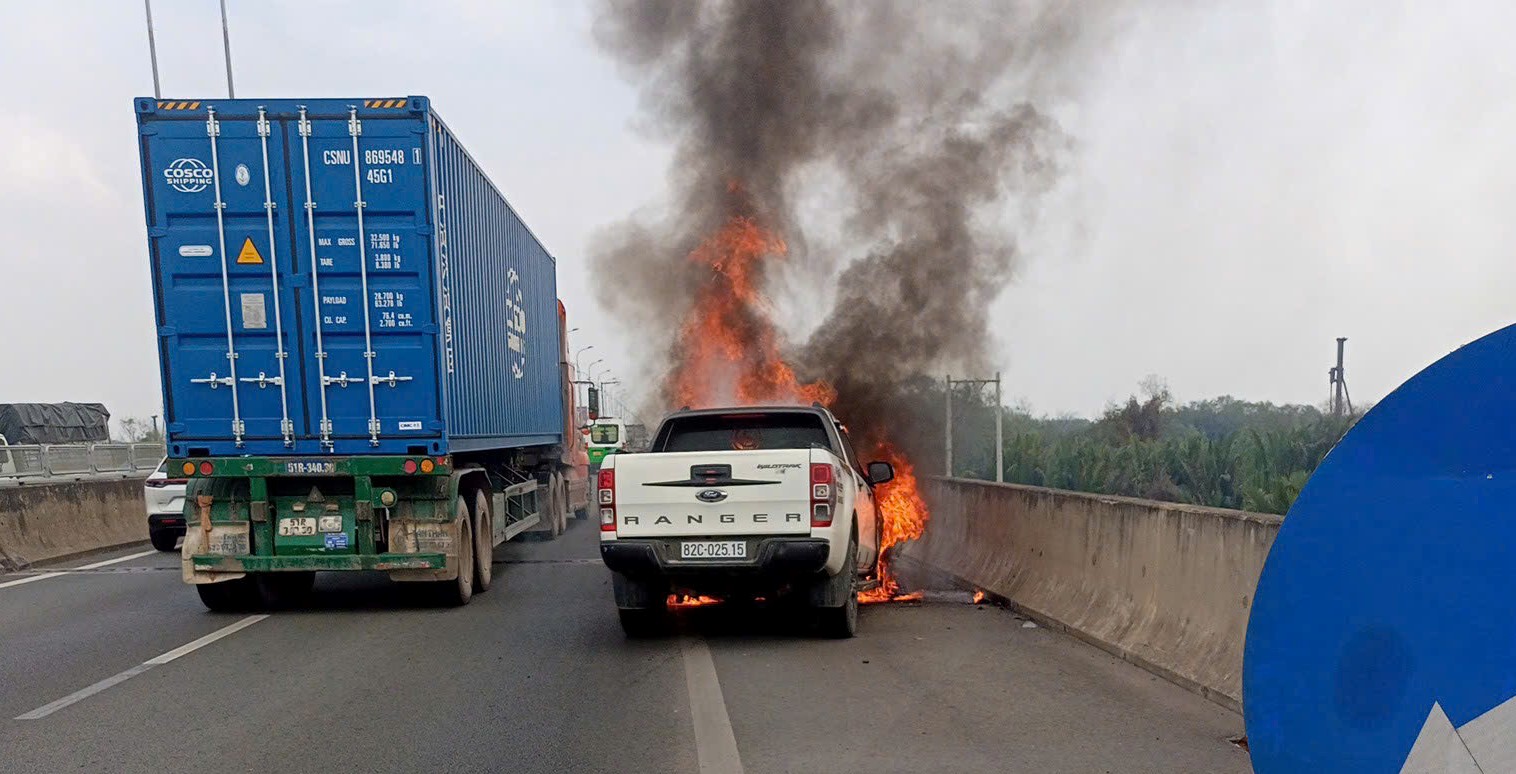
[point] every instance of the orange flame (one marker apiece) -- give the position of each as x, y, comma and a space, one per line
727, 352
685, 600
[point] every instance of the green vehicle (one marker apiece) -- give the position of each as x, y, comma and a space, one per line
607, 436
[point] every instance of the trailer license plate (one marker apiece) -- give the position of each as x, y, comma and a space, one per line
298, 526
713, 549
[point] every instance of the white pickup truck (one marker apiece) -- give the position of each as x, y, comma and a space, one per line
738, 503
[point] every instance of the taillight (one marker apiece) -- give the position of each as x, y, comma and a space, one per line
189, 468
409, 466
607, 498
206, 468
823, 494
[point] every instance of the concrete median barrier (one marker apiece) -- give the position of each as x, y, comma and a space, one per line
52, 520
1162, 585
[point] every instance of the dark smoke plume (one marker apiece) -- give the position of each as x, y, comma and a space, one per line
919, 116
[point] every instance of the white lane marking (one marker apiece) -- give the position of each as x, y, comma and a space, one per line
95, 566
88, 691
117, 560
715, 744
32, 579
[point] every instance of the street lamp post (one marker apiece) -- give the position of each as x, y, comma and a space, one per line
592, 369
578, 372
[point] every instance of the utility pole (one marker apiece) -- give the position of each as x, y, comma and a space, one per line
226, 44
978, 385
152, 49
1337, 377
999, 434
948, 428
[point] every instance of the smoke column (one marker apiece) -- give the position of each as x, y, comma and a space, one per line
918, 119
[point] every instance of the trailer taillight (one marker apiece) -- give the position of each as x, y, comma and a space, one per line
409, 466
823, 494
206, 468
607, 499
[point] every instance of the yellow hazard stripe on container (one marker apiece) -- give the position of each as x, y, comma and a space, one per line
178, 105
384, 103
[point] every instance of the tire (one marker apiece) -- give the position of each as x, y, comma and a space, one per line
233, 596
163, 539
833, 621
484, 541
458, 592
643, 623
642, 606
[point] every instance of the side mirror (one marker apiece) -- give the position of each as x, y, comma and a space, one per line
881, 472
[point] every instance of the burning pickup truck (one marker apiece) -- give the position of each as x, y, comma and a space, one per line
742, 502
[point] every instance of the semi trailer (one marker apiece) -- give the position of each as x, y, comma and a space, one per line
362, 352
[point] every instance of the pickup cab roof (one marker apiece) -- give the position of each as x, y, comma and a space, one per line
834, 439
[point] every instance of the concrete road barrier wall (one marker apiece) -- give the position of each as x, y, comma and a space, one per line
47, 521
1162, 585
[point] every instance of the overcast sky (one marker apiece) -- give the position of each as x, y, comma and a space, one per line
1250, 180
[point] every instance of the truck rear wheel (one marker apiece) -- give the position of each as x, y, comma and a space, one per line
458, 592
836, 599
642, 606
484, 541
233, 596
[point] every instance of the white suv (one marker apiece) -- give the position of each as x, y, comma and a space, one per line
165, 508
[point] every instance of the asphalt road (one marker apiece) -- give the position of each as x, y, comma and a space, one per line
119, 668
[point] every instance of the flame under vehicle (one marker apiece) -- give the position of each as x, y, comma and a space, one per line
738, 503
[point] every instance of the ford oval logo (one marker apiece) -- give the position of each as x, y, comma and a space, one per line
711, 496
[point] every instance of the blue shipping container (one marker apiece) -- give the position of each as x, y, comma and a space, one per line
337, 276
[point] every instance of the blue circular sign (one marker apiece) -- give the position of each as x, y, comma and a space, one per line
1383, 632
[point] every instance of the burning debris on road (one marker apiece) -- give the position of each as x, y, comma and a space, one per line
910, 127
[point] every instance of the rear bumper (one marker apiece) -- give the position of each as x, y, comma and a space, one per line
213, 563
769, 558
160, 522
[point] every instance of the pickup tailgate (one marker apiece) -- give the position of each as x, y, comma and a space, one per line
760, 492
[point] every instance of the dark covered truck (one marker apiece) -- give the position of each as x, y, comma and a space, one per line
361, 347
41, 423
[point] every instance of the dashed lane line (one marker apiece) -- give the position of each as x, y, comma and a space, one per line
116, 679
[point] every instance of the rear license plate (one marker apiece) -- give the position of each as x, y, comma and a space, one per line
713, 549
299, 526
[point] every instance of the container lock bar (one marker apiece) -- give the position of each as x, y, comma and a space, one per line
213, 129
310, 230
286, 427
355, 129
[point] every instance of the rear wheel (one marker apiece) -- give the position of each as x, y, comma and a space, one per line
458, 592
484, 541
163, 539
642, 606
233, 596
836, 600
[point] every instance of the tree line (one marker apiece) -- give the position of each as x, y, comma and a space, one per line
1222, 452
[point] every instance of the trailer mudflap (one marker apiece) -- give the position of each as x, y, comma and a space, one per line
217, 540
415, 538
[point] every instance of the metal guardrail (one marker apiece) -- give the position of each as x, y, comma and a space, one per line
79, 460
